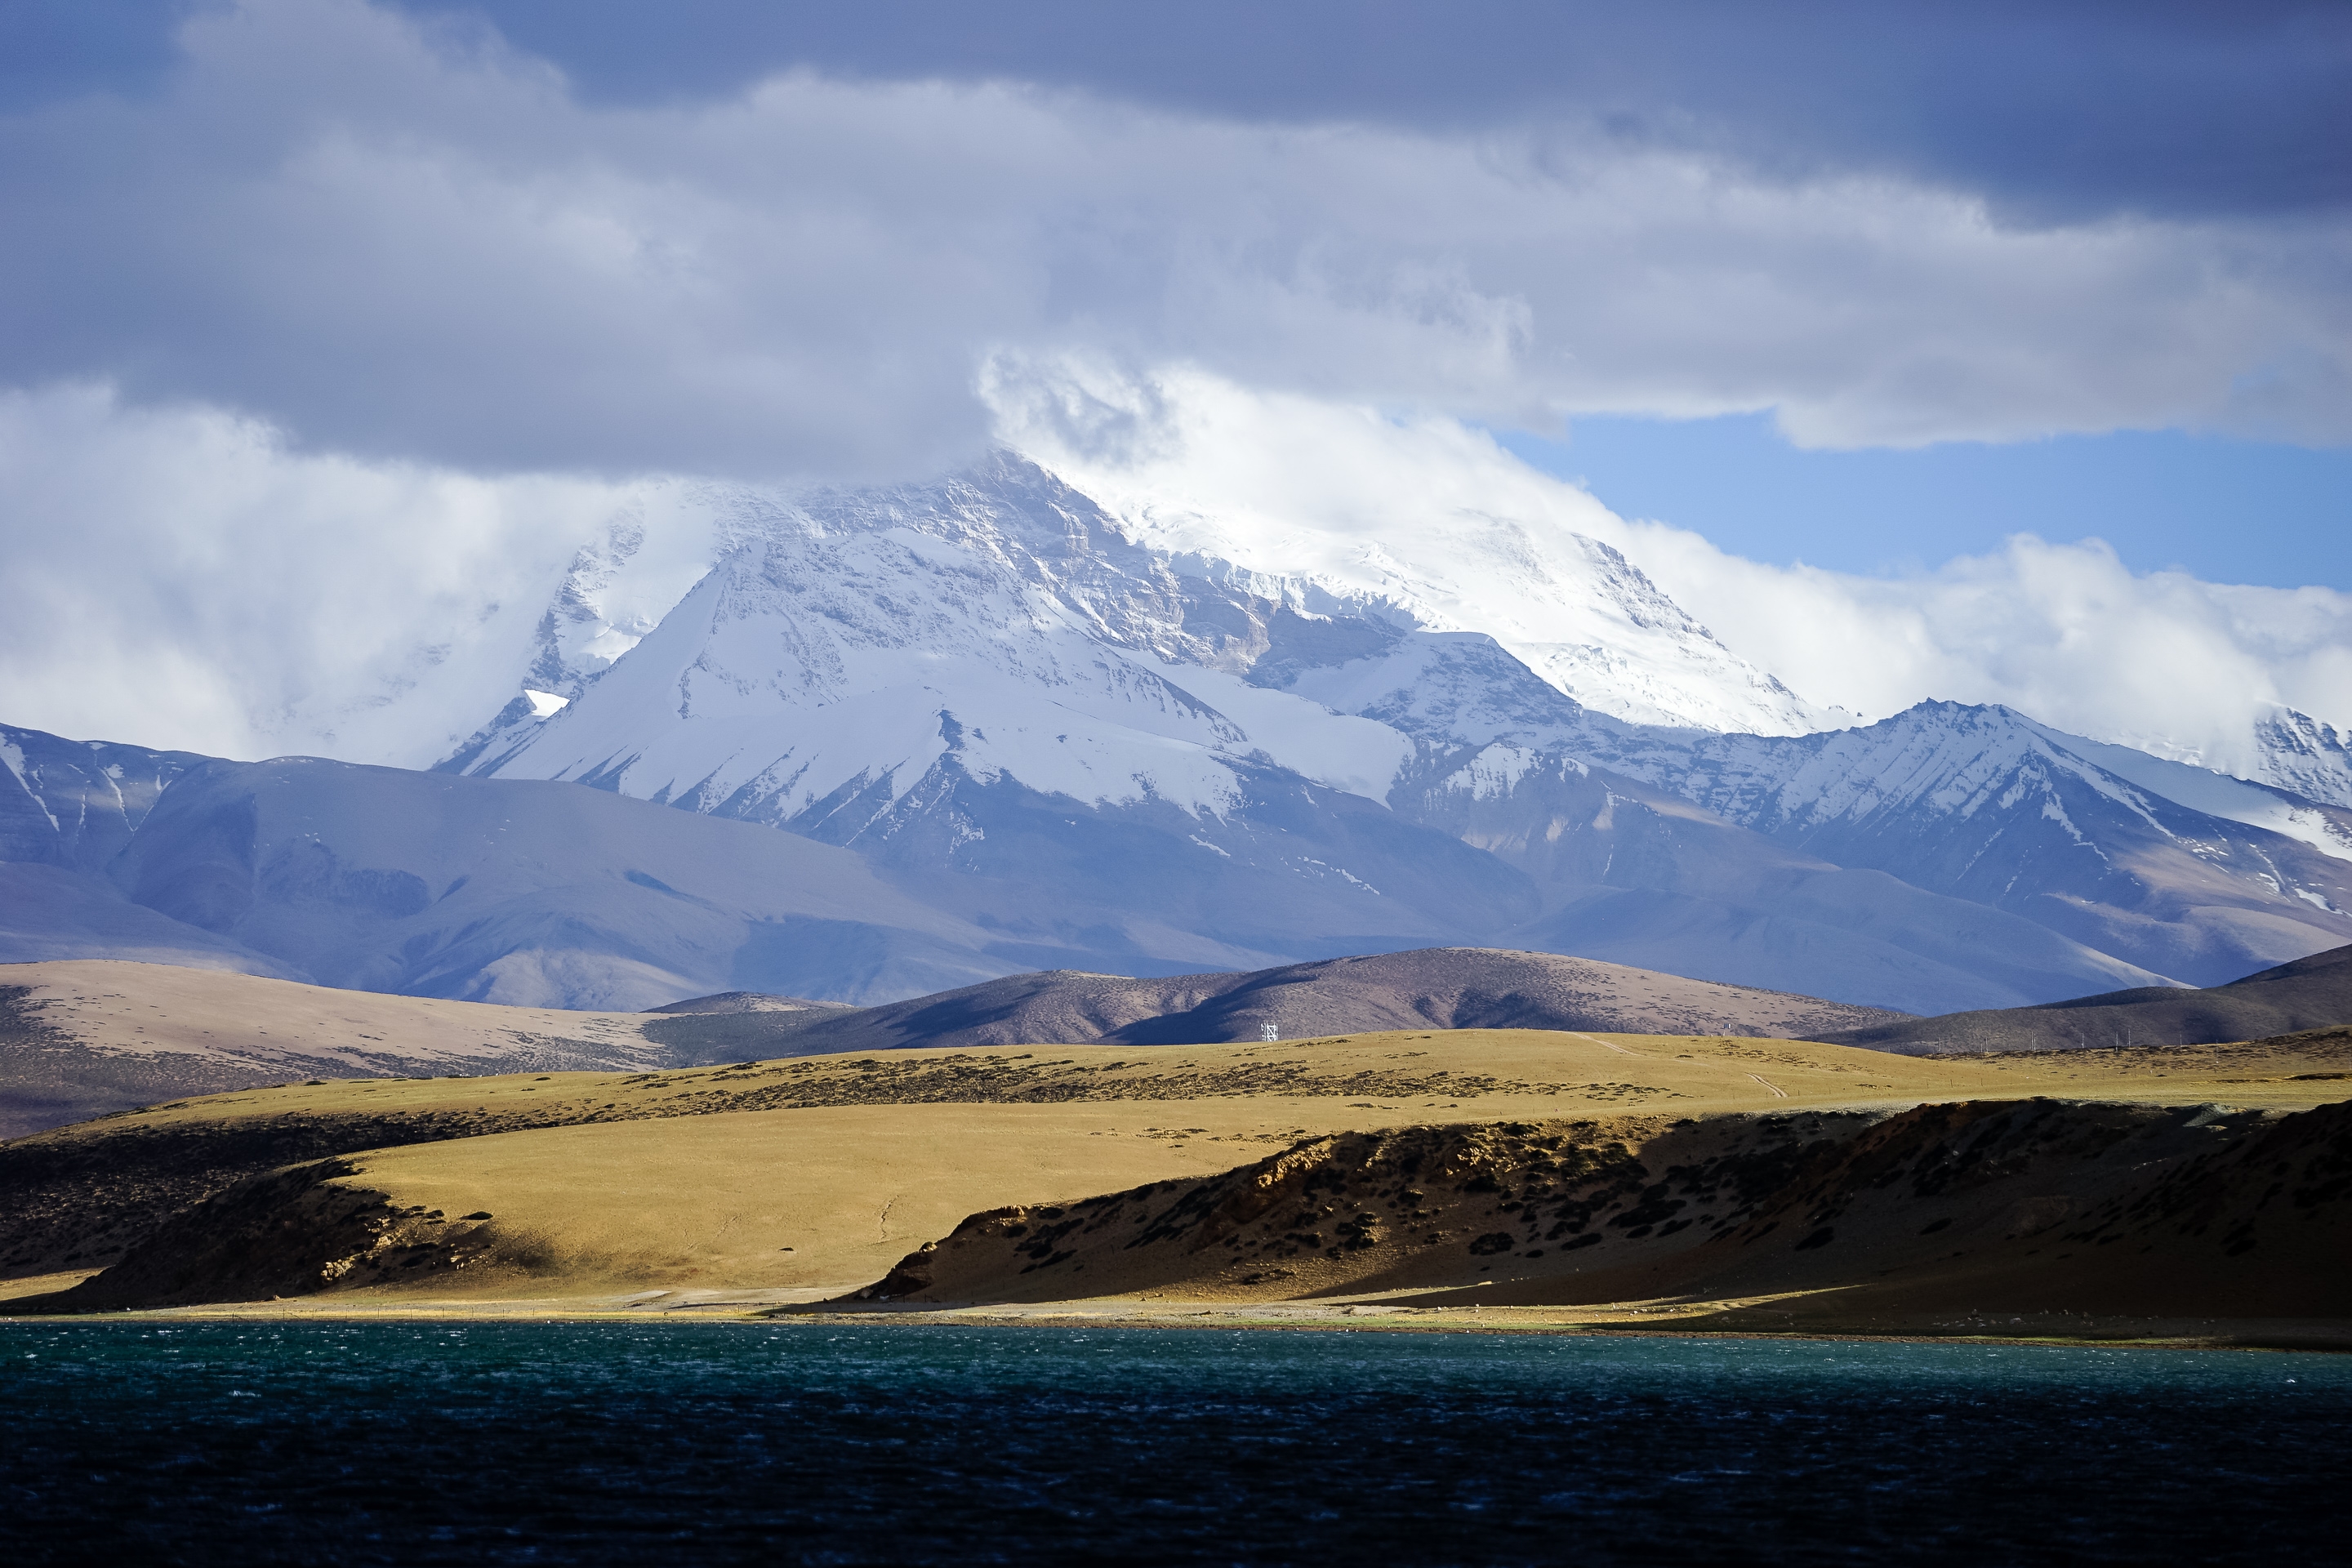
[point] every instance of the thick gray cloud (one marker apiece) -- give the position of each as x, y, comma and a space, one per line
413, 241
2047, 111
302, 307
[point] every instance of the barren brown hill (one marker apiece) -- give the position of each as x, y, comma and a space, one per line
2309, 994
82, 1038
1438, 988
84, 1195
751, 1002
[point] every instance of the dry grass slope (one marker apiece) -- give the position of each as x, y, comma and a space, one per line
806, 1179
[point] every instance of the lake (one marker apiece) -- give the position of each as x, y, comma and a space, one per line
686, 1442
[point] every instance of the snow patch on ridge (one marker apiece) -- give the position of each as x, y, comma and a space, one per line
1362, 756
12, 757
2216, 794
1496, 771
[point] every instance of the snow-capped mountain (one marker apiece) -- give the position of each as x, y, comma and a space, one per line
937, 676
1141, 741
1975, 803
811, 667
1570, 607
2314, 816
1982, 804
2281, 749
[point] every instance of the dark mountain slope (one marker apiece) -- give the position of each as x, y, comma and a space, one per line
1941, 1217
2308, 993
732, 1002
67, 809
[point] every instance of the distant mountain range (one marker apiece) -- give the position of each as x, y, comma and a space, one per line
895, 741
1458, 988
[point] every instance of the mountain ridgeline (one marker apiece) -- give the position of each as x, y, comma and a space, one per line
86, 1038
905, 742
1438, 988
2312, 993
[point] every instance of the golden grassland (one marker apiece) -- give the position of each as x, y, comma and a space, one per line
767, 1185
1498, 1073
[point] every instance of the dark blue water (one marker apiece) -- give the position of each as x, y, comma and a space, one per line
727, 1442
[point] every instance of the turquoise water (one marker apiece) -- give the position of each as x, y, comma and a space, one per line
727, 1442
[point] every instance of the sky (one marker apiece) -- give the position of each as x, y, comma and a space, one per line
2223, 509
323, 323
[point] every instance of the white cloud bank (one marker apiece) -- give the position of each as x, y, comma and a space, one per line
402, 242
2061, 631
178, 579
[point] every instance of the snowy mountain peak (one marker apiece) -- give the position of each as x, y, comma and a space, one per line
1572, 608
1109, 738
1192, 595
843, 648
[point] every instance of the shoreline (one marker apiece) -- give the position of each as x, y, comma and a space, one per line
1628, 1321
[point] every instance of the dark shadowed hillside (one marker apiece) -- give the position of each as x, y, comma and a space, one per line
2309, 994
1932, 1217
